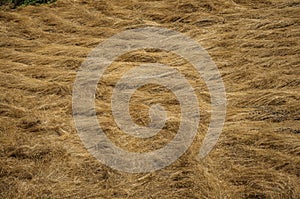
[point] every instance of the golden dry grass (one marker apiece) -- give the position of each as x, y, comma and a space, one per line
255, 44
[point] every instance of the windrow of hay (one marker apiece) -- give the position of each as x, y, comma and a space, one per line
256, 46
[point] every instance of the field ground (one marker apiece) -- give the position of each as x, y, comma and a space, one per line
255, 44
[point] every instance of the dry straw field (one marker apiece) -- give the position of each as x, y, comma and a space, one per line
254, 43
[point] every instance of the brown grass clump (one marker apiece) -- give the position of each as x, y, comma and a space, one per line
256, 46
